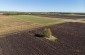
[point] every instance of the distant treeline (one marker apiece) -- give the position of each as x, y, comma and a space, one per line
40, 13
15, 13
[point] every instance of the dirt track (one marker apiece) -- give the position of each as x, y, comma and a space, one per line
71, 41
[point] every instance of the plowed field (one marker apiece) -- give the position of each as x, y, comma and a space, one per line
71, 41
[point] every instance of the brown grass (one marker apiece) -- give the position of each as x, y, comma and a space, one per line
11, 24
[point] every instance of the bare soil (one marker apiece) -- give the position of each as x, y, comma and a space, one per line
63, 16
71, 41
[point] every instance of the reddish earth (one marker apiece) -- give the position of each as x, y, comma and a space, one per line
63, 16
71, 41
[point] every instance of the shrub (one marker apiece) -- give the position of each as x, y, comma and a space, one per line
47, 32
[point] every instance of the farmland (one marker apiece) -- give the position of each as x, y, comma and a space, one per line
17, 34
11, 24
15, 23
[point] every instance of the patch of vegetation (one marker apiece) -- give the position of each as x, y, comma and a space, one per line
39, 20
48, 34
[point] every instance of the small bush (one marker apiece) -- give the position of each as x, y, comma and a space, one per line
47, 32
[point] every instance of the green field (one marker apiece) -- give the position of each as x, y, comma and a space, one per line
39, 20
13, 23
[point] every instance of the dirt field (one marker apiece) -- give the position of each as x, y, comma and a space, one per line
71, 41
70, 34
64, 16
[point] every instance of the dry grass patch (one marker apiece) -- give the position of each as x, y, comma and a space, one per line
10, 24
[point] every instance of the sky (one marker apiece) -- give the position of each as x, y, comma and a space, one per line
43, 5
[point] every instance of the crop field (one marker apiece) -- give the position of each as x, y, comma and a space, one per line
23, 22
17, 35
11, 24
39, 20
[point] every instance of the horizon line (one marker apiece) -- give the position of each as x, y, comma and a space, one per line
43, 11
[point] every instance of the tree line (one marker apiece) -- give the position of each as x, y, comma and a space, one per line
40, 13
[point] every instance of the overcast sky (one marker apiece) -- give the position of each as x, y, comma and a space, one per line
43, 5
